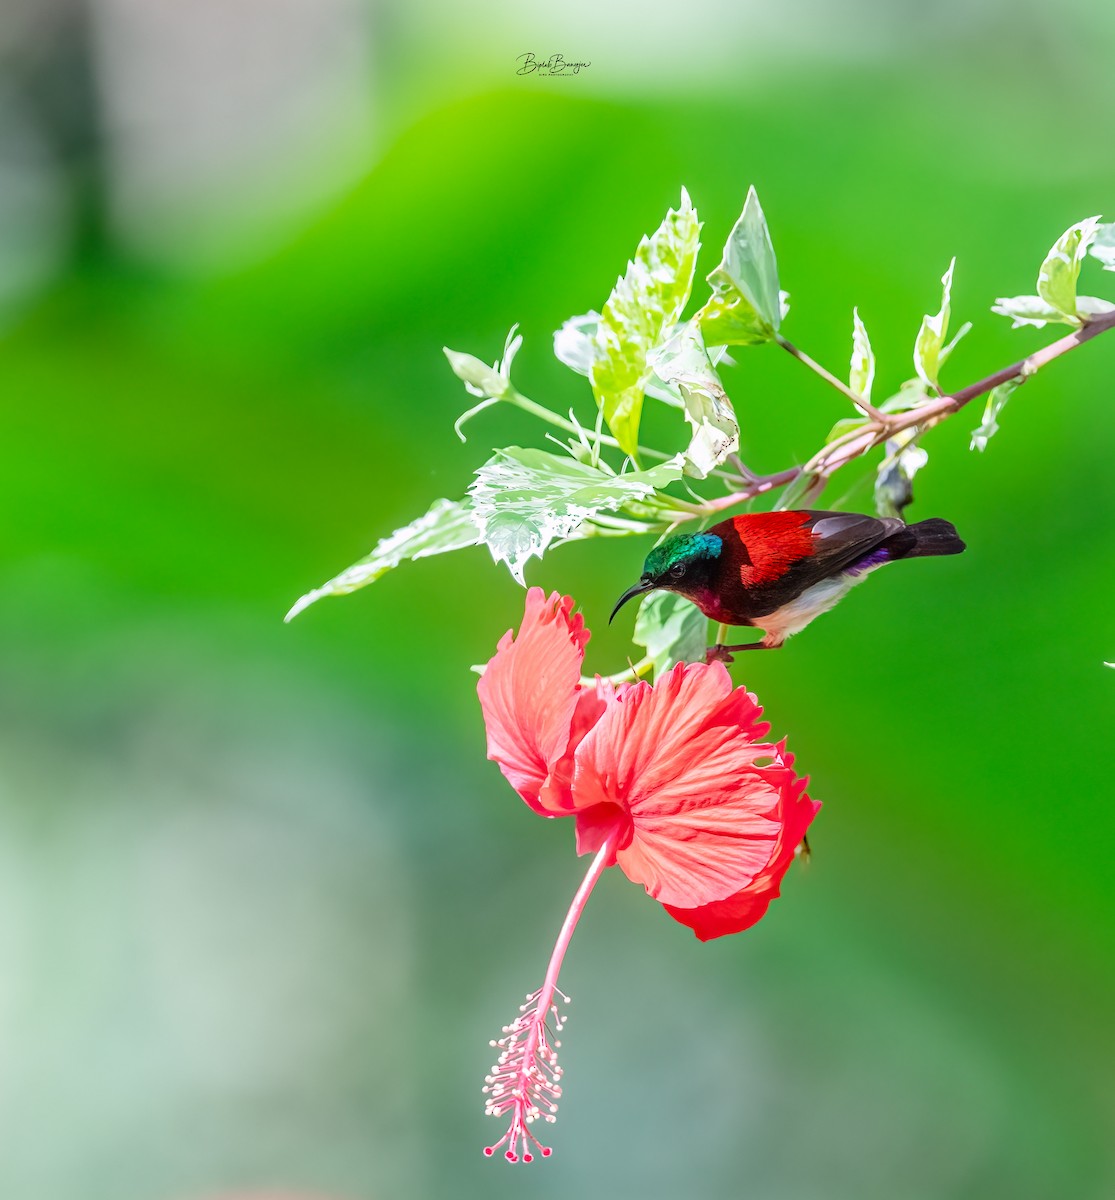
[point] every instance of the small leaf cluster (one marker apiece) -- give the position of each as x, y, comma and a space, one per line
525, 500
601, 480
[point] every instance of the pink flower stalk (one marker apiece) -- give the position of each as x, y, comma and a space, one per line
670, 783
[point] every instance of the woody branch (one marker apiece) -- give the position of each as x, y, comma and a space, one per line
859, 442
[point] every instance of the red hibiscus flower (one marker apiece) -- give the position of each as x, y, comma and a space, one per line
672, 783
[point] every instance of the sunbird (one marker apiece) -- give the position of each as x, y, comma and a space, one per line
776, 571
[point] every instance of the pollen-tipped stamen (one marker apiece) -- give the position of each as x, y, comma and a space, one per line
525, 1080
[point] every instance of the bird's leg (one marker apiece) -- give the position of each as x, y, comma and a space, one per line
722, 653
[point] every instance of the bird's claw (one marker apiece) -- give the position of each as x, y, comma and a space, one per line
719, 653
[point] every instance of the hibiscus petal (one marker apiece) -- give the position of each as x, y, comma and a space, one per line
742, 910
682, 759
556, 794
530, 694
721, 917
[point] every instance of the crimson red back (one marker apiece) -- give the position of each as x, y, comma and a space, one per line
774, 542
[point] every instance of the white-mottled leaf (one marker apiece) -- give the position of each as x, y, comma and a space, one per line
846, 425
478, 378
1030, 310
492, 382
1092, 306
894, 481
862, 372
931, 336
448, 525
989, 426
746, 306
643, 306
573, 346
910, 395
946, 351
1103, 246
683, 363
573, 342
671, 629
525, 500
1058, 274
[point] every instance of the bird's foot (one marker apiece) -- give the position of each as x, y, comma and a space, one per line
722, 653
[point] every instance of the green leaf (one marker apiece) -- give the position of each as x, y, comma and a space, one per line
573, 345
931, 336
492, 383
746, 307
525, 500
1030, 310
946, 351
683, 362
1058, 274
477, 376
1092, 306
573, 342
1103, 246
910, 395
989, 426
862, 372
448, 525
643, 305
846, 425
671, 629
894, 481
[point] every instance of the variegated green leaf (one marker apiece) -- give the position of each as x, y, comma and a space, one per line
644, 304
525, 500
1103, 246
683, 363
845, 425
862, 372
1058, 274
946, 351
910, 395
671, 629
448, 525
989, 426
492, 384
894, 481
746, 307
931, 336
1030, 310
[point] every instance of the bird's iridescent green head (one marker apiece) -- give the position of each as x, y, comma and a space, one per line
680, 552
668, 564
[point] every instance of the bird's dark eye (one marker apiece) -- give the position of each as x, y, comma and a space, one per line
677, 571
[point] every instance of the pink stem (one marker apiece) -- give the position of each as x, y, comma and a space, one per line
599, 865
837, 455
525, 1081
852, 445
756, 487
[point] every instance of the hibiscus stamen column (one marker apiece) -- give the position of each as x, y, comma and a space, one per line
526, 1079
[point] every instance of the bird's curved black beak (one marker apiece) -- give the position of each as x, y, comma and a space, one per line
644, 585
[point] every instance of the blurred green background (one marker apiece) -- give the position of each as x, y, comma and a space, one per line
262, 900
